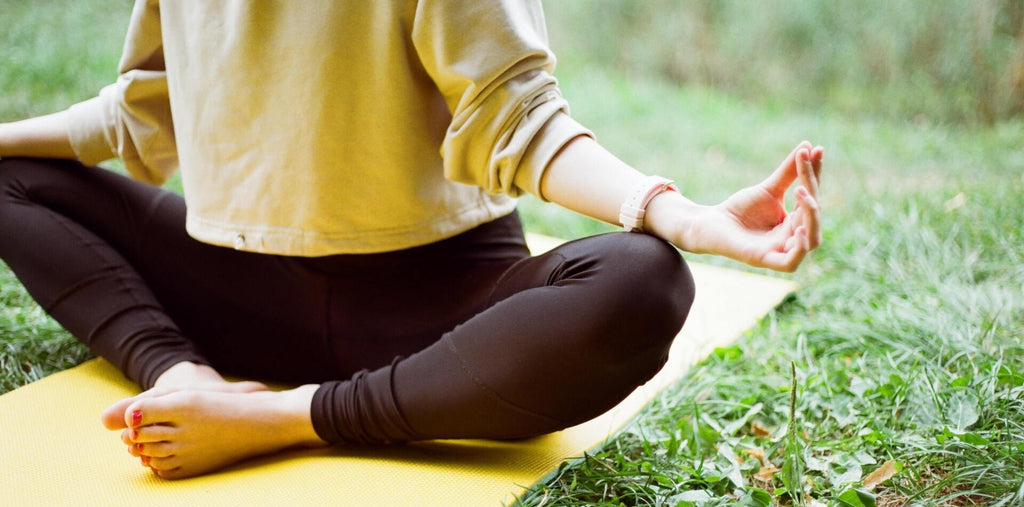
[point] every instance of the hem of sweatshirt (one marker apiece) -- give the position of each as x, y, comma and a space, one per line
305, 243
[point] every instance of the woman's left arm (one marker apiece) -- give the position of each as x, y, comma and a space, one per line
751, 226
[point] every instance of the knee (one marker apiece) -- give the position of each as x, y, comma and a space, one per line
12, 189
9, 170
15, 173
653, 280
650, 291
641, 295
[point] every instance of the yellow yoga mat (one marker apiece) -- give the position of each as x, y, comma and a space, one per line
54, 451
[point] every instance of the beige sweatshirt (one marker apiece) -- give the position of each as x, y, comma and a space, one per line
315, 127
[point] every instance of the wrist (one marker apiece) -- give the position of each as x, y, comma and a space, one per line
673, 217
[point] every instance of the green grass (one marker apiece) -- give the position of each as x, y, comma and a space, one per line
906, 340
907, 336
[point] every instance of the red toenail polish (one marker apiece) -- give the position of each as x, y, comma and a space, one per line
140, 447
145, 460
136, 417
135, 434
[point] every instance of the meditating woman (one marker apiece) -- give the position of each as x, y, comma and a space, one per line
348, 224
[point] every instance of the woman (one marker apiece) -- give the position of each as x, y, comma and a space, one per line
348, 225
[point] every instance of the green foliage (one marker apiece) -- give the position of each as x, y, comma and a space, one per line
57, 53
942, 60
907, 336
906, 342
31, 344
908, 345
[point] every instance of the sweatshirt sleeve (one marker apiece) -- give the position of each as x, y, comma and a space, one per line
491, 61
131, 119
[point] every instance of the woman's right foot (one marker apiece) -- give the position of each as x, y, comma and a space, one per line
191, 432
182, 376
201, 376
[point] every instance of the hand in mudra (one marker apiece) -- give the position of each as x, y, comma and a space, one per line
753, 225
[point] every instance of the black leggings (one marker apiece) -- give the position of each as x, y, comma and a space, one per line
465, 338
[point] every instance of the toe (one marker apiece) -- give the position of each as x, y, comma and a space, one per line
157, 449
172, 474
163, 464
153, 433
113, 416
157, 410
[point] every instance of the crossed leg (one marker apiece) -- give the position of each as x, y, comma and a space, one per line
552, 341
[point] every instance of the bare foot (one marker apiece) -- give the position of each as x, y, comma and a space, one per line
182, 376
189, 374
183, 433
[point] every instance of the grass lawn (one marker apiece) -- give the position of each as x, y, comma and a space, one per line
904, 350
905, 344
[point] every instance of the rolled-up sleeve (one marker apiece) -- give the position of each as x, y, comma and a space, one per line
491, 61
131, 119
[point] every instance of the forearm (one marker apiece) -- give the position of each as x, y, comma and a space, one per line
584, 177
43, 136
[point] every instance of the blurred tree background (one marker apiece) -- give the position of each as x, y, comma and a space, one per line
914, 305
940, 61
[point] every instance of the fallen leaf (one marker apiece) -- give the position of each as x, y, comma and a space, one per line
759, 431
882, 474
757, 454
766, 473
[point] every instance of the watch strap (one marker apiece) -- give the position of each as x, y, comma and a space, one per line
633, 210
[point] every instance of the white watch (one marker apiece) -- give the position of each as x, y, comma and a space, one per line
632, 212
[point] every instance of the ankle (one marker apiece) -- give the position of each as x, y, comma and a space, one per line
295, 416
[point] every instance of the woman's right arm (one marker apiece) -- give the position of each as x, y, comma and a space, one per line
43, 136
129, 119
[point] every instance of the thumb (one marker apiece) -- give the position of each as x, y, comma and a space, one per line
779, 181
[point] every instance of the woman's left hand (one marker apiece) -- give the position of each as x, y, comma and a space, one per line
753, 226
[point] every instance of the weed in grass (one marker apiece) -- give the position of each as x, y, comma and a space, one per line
908, 334
908, 348
31, 344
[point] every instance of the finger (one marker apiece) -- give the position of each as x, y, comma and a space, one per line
805, 172
816, 156
784, 261
795, 240
783, 177
790, 258
811, 215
